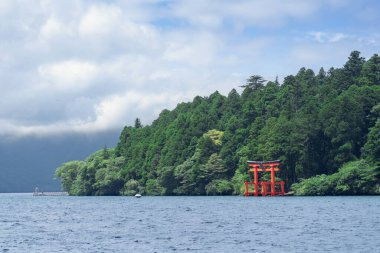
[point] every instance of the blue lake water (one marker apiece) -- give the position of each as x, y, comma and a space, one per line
189, 224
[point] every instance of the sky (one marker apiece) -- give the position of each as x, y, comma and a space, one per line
81, 66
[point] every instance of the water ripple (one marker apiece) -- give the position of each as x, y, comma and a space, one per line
191, 224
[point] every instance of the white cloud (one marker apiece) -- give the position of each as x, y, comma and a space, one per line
70, 75
91, 65
261, 13
199, 50
318, 36
115, 110
100, 21
53, 28
110, 113
323, 37
337, 37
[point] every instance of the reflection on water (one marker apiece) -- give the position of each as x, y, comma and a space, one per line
199, 224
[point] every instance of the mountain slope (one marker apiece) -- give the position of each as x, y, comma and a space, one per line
313, 123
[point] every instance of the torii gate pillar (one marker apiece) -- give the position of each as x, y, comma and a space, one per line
268, 166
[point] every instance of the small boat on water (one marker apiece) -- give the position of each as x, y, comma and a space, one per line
137, 195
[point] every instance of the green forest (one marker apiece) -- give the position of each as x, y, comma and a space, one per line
324, 127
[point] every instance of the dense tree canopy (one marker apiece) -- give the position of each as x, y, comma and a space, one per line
313, 123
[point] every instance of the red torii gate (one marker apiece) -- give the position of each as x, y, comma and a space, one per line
268, 166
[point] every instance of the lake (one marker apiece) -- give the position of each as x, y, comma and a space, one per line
189, 224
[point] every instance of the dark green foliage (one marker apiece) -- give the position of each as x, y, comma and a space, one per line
372, 146
152, 187
219, 187
68, 173
254, 82
138, 123
167, 180
213, 169
371, 71
107, 179
313, 123
99, 174
131, 188
354, 178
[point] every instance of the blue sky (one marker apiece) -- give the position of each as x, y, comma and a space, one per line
88, 66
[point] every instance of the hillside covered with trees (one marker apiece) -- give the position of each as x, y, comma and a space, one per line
324, 124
